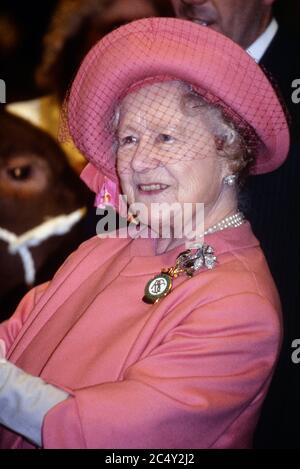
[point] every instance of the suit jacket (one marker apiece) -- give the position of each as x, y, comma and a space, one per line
273, 212
190, 371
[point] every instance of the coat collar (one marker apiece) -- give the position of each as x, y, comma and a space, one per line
144, 261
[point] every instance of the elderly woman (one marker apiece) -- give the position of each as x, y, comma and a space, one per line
148, 339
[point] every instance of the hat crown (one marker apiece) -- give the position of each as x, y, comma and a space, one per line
153, 47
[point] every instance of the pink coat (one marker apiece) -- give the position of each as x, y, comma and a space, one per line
188, 372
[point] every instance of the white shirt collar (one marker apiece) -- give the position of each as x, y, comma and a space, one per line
260, 45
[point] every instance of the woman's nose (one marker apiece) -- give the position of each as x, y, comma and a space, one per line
145, 157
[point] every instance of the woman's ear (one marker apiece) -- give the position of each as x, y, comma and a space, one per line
226, 169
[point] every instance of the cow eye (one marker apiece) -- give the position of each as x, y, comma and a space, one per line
20, 173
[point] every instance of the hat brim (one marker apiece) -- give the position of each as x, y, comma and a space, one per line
186, 51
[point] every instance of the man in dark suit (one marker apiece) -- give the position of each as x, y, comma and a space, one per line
273, 213
273, 198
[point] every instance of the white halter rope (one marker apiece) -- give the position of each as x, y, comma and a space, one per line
59, 225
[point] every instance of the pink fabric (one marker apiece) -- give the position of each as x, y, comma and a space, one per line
99, 184
2, 349
103, 185
108, 194
93, 178
188, 372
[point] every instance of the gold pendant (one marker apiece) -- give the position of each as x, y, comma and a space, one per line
157, 288
188, 262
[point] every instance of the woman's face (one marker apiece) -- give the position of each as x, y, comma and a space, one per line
165, 155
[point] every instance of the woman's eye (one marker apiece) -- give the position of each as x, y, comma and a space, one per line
165, 138
128, 140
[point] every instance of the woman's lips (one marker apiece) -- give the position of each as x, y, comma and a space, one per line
152, 188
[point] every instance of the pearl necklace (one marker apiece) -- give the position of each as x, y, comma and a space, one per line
233, 221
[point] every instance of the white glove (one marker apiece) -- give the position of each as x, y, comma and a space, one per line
25, 400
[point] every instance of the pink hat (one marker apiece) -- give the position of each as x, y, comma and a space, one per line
183, 50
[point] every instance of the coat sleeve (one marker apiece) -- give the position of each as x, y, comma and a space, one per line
9, 329
186, 392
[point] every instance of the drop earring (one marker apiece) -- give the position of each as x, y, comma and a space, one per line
230, 180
